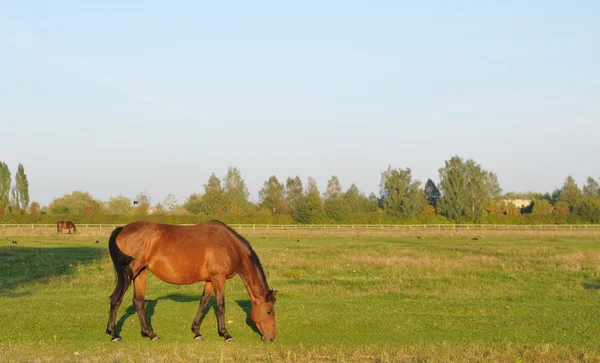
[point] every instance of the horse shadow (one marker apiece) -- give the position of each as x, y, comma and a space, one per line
151, 306
246, 305
592, 285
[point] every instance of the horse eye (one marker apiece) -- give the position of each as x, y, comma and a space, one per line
269, 312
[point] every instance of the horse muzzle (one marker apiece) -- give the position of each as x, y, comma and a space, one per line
268, 337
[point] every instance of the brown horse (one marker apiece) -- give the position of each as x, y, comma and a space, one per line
65, 225
210, 252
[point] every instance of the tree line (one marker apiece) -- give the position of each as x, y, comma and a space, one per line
14, 198
466, 193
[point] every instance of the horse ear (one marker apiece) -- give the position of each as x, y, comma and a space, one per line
271, 296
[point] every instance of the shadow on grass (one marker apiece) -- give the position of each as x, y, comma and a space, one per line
592, 285
22, 265
246, 305
151, 306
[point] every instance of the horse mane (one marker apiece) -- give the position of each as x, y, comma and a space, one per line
246, 245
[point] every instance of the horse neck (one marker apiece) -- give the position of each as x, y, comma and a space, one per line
253, 278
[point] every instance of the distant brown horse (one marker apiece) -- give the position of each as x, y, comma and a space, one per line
65, 225
210, 252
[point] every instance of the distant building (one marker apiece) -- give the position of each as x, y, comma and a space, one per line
519, 203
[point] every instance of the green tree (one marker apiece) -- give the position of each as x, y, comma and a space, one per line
5, 181
21, 190
541, 207
194, 204
119, 205
334, 204
432, 193
75, 203
336, 208
466, 190
400, 195
588, 209
213, 200
235, 190
310, 207
294, 192
591, 188
491, 184
570, 194
272, 196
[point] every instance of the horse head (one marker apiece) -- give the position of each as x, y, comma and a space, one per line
263, 315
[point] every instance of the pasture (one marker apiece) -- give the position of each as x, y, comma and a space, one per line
530, 297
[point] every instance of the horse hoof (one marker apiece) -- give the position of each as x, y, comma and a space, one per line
199, 338
115, 339
230, 340
156, 338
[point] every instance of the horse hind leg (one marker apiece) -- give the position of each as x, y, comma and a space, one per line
206, 295
115, 302
139, 301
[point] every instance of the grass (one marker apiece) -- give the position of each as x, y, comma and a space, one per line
377, 297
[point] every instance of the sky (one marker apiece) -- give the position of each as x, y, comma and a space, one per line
119, 97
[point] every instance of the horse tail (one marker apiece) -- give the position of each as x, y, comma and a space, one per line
122, 270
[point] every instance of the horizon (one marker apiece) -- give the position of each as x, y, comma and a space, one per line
119, 98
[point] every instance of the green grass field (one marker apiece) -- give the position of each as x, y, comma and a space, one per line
529, 298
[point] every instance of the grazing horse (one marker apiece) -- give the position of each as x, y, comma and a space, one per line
210, 252
65, 225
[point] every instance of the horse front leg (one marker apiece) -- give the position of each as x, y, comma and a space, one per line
219, 287
206, 295
139, 301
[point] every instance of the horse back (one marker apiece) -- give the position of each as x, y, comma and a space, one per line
182, 254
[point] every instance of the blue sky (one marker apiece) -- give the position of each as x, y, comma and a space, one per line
119, 97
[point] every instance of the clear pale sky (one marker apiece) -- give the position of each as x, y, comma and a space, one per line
123, 96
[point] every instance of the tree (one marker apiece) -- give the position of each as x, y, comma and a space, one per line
235, 190
119, 205
541, 207
491, 184
310, 208
334, 188
588, 209
334, 204
21, 190
591, 188
158, 209
143, 203
5, 182
272, 196
75, 203
34, 208
432, 193
170, 201
193, 204
357, 202
336, 208
293, 193
466, 190
400, 195
570, 195
213, 200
